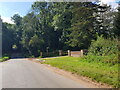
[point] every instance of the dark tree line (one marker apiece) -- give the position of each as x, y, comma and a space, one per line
59, 25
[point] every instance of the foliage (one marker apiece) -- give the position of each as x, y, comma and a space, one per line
82, 25
8, 37
111, 59
36, 44
17, 27
104, 17
117, 23
68, 25
17, 19
59, 26
104, 47
98, 71
14, 47
4, 59
31, 56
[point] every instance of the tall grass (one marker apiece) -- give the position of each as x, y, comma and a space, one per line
4, 59
101, 72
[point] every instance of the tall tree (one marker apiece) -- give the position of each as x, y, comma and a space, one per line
104, 20
44, 12
117, 23
18, 30
31, 31
8, 37
82, 25
62, 22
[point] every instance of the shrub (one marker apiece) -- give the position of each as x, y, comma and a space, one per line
111, 59
104, 47
0, 59
5, 58
32, 56
105, 50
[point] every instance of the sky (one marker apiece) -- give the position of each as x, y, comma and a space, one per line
8, 9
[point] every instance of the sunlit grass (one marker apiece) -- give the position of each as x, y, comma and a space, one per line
98, 71
4, 59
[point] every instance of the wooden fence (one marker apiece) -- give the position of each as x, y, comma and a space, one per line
54, 53
75, 53
63, 53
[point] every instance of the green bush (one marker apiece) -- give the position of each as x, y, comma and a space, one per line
111, 59
104, 50
40, 57
103, 47
4, 59
32, 56
0, 59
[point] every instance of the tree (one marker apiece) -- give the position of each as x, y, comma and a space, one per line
8, 37
62, 22
18, 30
36, 44
61, 25
104, 20
117, 23
30, 28
44, 11
82, 25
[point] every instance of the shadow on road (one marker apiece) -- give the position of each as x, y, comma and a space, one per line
17, 55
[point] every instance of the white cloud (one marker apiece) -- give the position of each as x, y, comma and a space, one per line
114, 5
110, 2
7, 19
16, 13
107, 1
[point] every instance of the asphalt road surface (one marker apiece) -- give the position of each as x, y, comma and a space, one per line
21, 73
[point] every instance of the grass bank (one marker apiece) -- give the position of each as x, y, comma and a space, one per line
4, 59
101, 72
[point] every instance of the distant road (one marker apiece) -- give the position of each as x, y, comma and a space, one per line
21, 73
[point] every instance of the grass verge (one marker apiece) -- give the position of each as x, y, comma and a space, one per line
101, 72
4, 59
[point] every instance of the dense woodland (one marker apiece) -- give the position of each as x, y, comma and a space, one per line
61, 26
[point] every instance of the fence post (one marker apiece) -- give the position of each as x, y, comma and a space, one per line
69, 53
81, 53
60, 52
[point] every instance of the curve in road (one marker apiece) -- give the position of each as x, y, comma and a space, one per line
22, 73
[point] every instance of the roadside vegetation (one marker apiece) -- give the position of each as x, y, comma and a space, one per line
52, 26
4, 59
49, 27
100, 64
101, 72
